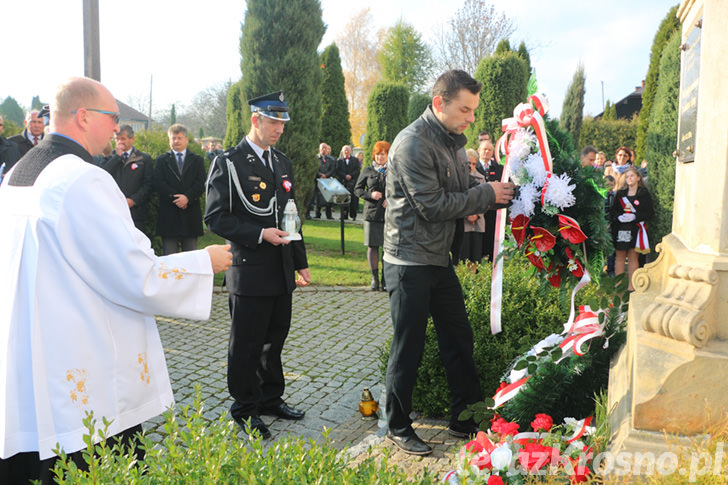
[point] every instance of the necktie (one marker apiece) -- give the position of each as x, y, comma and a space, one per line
180, 162
35, 140
266, 162
125, 157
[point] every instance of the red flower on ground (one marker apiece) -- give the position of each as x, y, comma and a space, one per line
533, 456
542, 239
504, 428
518, 228
495, 480
570, 230
542, 422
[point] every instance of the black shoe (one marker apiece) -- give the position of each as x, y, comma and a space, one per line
318, 215
410, 444
256, 424
462, 429
308, 216
375, 285
331, 218
283, 411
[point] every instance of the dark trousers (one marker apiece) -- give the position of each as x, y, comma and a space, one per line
415, 292
23, 467
352, 208
172, 245
259, 328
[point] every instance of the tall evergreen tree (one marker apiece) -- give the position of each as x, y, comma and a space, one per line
662, 139
278, 47
610, 111
417, 104
523, 52
572, 112
335, 127
505, 81
173, 115
235, 111
503, 47
36, 103
12, 111
668, 26
386, 114
404, 57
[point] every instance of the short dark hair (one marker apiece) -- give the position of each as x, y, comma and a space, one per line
587, 150
449, 84
127, 130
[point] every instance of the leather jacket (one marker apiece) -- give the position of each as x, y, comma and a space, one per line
429, 192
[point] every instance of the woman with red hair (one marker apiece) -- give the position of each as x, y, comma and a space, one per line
370, 187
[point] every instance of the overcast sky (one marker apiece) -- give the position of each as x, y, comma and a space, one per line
190, 46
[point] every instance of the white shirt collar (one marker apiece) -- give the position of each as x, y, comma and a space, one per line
258, 150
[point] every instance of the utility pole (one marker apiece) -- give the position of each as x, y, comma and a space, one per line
91, 51
602, 96
149, 123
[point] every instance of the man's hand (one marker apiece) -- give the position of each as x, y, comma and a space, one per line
181, 201
472, 219
220, 257
348, 177
275, 236
503, 191
323, 175
376, 195
304, 277
130, 202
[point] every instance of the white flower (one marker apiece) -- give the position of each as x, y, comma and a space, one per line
526, 202
550, 341
536, 169
559, 192
521, 144
501, 457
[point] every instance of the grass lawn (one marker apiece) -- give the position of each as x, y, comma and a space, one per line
323, 248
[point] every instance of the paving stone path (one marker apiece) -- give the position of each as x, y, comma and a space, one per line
331, 354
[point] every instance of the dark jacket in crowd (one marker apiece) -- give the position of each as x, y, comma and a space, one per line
371, 180
353, 169
9, 154
173, 221
23, 143
134, 178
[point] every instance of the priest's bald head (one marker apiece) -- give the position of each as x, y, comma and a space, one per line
84, 110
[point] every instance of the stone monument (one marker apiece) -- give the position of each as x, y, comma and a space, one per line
672, 375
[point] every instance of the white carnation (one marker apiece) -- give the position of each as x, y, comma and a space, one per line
559, 192
526, 202
536, 169
522, 143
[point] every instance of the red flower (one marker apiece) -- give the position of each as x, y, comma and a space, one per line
504, 428
495, 480
574, 265
542, 239
570, 230
534, 258
581, 475
542, 422
518, 228
555, 278
533, 456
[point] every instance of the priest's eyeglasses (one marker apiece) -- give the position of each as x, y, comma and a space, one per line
114, 115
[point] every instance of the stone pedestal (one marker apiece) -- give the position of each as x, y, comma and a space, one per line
672, 375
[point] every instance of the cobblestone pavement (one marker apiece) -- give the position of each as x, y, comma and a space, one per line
331, 354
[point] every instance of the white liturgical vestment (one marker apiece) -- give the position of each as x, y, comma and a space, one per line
79, 286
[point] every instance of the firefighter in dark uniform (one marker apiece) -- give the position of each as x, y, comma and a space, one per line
247, 191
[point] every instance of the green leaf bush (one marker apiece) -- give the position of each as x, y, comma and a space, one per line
196, 450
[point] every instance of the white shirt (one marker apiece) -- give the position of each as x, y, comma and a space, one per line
78, 290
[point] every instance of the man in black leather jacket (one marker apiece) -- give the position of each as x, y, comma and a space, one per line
429, 192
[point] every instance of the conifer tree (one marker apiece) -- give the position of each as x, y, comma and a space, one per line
668, 26
278, 47
173, 115
335, 127
505, 80
404, 57
572, 112
234, 109
417, 104
12, 111
386, 114
523, 52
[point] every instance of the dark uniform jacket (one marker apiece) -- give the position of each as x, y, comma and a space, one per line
173, 221
23, 143
353, 169
371, 180
257, 269
134, 179
9, 154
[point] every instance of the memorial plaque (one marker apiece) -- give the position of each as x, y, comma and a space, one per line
689, 81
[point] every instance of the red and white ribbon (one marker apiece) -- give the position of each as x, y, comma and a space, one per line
585, 327
642, 245
508, 392
578, 433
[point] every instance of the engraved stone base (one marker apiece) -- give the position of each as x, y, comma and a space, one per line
671, 375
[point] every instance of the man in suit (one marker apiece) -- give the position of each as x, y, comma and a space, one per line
31, 135
347, 171
133, 171
9, 153
327, 169
179, 178
492, 171
247, 191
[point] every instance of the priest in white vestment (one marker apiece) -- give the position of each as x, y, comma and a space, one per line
79, 288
